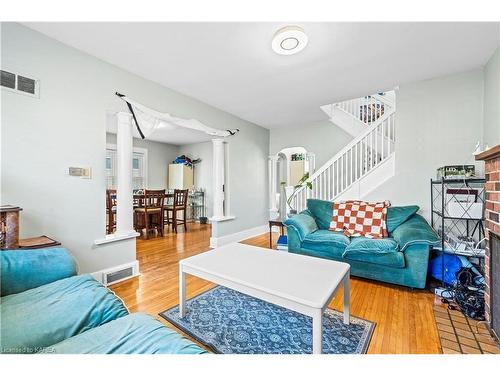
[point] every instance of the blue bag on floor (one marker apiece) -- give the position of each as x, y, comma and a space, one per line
452, 265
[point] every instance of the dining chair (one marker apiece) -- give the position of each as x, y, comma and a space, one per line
149, 214
179, 205
110, 210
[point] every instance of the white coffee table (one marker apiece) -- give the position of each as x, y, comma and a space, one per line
297, 282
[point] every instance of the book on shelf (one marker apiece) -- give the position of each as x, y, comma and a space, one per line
282, 243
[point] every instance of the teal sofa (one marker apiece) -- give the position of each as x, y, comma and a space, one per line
402, 258
46, 308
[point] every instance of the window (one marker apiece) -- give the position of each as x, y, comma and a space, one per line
139, 168
138, 180
110, 169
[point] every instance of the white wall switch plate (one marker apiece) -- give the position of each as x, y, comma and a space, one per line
83, 172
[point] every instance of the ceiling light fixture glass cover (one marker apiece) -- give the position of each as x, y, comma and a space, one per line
289, 40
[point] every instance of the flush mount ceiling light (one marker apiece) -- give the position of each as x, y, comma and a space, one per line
289, 40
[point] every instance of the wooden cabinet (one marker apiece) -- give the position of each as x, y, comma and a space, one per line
180, 176
9, 227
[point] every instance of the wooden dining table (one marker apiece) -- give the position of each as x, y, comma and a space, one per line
138, 201
140, 197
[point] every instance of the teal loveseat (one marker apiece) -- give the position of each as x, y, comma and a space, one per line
46, 308
402, 258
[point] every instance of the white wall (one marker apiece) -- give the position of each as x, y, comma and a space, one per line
247, 178
42, 137
203, 171
322, 138
160, 155
438, 122
491, 130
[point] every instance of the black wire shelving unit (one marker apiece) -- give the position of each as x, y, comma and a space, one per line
465, 228
196, 205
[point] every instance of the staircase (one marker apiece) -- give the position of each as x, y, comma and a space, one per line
363, 164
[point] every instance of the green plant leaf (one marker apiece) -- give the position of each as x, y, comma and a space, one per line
304, 178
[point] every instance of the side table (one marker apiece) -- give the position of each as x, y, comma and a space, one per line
37, 243
275, 223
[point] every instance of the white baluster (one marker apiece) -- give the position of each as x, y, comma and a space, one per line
353, 164
326, 184
337, 177
374, 109
332, 189
320, 186
394, 126
342, 173
388, 135
388, 129
366, 155
348, 167
344, 170
371, 149
315, 189
382, 140
360, 159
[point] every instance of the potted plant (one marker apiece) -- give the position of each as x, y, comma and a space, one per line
302, 182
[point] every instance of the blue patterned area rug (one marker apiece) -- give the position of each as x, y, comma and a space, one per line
230, 322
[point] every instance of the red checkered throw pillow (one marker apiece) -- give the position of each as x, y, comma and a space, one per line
357, 218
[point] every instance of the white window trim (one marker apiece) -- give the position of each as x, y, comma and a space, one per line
140, 150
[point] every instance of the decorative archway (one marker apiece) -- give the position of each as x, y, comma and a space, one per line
280, 174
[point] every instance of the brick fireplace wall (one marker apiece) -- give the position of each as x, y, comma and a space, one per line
492, 211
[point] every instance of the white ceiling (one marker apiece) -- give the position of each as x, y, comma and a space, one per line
232, 67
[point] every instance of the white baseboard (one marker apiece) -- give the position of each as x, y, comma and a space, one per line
238, 236
98, 275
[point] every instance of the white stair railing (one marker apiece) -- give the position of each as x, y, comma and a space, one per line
367, 109
363, 154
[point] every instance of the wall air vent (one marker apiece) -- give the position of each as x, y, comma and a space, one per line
113, 277
20, 84
8, 80
116, 274
25, 84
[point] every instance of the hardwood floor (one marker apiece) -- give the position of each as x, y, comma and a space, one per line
404, 318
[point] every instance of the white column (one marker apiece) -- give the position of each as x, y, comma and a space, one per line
311, 159
218, 173
124, 150
273, 186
